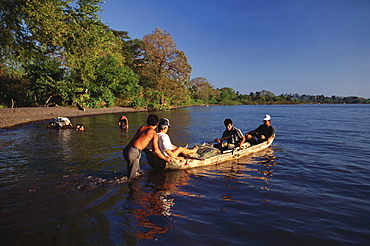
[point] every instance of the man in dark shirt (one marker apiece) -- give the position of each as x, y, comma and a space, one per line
233, 136
264, 132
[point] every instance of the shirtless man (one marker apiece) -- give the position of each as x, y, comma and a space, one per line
140, 141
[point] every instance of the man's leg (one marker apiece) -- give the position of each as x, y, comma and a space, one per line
132, 157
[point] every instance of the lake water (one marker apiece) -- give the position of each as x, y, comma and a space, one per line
312, 187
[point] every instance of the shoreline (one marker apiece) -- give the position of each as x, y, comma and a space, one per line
14, 117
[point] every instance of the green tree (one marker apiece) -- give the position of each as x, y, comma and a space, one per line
130, 49
70, 31
227, 96
120, 80
44, 76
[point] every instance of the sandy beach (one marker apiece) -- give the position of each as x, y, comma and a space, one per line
11, 117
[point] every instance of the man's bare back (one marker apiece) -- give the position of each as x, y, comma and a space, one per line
143, 137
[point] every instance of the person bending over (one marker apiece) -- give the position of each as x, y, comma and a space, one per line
143, 136
123, 122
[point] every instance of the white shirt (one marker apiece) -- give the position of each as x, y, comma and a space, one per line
63, 119
164, 142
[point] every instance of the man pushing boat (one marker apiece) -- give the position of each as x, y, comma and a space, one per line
142, 138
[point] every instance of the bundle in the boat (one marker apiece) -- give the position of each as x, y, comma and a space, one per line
206, 151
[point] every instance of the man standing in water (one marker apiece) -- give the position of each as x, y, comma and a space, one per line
140, 141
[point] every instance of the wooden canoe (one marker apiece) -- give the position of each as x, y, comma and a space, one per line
190, 162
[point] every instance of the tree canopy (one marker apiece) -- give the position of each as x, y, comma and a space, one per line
62, 48
164, 68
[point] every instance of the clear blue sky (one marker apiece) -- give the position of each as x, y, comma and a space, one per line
284, 46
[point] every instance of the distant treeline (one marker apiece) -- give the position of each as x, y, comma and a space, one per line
60, 53
227, 96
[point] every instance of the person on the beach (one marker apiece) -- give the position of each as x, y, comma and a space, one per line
143, 136
123, 122
233, 136
264, 132
165, 144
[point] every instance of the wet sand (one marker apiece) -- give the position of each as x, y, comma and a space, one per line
11, 117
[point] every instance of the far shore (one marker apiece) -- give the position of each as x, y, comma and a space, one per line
12, 117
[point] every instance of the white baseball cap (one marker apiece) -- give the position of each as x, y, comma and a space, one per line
267, 117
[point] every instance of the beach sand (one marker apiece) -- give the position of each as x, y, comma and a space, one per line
11, 117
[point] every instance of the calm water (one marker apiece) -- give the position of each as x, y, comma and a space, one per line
312, 187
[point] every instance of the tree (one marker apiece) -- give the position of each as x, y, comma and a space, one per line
227, 95
119, 79
202, 90
70, 31
164, 68
44, 77
130, 49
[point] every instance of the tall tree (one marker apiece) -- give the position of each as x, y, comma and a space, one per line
130, 49
164, 67
69, 31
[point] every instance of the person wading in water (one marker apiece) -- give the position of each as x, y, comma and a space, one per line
142, 138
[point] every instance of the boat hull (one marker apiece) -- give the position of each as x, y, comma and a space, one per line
189, 162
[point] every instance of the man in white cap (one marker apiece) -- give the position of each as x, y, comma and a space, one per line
264, 132
164, 141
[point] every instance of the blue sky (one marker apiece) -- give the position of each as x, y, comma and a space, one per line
310, 47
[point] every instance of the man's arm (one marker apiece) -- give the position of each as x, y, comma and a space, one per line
241, 142
272, 135
224, 136
156, 147
240, 136
252, 132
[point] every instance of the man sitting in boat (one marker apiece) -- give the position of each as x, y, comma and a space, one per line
233, 136
264, 132
165, 144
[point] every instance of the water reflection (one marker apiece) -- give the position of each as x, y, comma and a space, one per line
152, 198
64, 181
151, 212
248, 167
154, 201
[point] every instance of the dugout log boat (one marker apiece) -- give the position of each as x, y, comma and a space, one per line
195, 161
